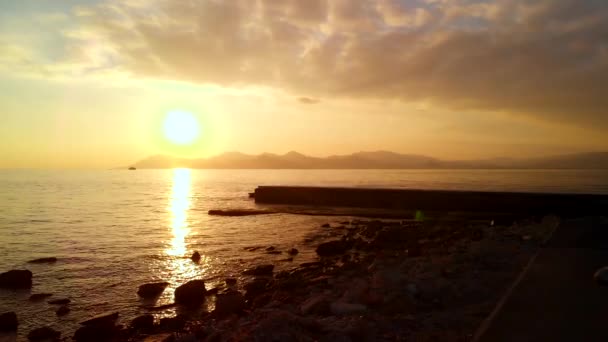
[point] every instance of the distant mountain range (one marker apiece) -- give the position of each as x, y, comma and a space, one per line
372, 160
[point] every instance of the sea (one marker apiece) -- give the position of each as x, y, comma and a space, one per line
113, 230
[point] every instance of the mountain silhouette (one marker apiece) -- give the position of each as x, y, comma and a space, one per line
371, 160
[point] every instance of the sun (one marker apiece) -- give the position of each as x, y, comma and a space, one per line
181, 128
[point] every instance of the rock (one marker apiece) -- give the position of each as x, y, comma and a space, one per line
213, 291
601, 276
477, 235
62, 311
196, 256
98, 328
39, 296
102, 320
255, 287
143, 323
325, 225
173, 323
293, 251
8, 321
261, 270
270, 249
191, 293
44, 333
160, 338
340, 308
356, 292
43, 260
332, 248
231, 281
152, 290
316, 305
16, 279
229, 303
61, 301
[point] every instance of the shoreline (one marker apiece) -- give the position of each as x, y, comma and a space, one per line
383, 280
377, 280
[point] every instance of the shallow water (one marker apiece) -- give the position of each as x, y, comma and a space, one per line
116, 229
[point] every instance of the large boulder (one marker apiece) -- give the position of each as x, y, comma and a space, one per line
16, 279
332, 248
8, 321
48, 260
44, 334
173, 323
261, 270
229, 303
98, 328
191, 293
143, 323
152, 290
256, 287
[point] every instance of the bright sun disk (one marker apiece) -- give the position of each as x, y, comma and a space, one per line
181, 128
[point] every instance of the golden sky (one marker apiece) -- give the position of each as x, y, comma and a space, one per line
88, 83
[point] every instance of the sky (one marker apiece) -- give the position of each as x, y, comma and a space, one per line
87, 84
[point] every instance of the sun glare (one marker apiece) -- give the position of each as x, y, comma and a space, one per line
181, 128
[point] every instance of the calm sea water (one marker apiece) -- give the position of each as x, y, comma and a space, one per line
114, 230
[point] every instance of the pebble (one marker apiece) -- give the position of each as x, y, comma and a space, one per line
601, 276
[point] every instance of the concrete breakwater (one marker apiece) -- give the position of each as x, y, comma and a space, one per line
435, 200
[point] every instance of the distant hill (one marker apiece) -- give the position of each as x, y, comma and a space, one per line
371, 160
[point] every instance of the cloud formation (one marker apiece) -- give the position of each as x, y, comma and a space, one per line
545, 59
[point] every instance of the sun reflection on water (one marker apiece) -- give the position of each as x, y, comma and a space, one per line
178, 206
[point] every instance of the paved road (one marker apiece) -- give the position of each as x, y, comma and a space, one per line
556, 298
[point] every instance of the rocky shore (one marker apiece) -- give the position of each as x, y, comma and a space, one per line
431, 280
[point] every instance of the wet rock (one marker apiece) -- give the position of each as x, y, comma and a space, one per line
229, 303
99, 328
601, 276
270, 249
293, 251
261, 270
152, 290
160, 338
316, 305
44, 333
106, 319
256, 287
62, 311
231, 281
196, 256
191, 293
143, 323
325, 225
340, 308
43, 260
213, 291
332, 248
61, 301
39, 296
173, 323
8, 321
16, 279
